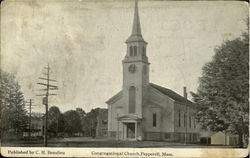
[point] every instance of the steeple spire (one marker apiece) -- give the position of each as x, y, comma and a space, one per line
136, 24
136, 35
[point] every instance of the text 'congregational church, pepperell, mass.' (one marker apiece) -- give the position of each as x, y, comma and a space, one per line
143, 110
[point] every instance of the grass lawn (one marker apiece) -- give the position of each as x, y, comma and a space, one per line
91, 142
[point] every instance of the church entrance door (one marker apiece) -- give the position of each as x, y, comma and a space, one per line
131, 130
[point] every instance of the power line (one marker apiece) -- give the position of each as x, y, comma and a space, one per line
45, 98
30, 105
186, 114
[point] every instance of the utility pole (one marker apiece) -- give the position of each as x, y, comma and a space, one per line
117, 126
30, 105
46, 99
185, 96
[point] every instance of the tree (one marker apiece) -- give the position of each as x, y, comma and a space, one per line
90, 122
54, 119
13, 113
222, 95
72, 122
81, 113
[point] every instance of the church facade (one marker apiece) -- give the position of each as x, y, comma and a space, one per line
143, 110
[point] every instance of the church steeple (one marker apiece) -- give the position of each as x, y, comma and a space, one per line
136, 46
135, 68
136, 35
136, 23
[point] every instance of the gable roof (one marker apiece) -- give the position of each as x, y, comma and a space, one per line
114, 98
168, 92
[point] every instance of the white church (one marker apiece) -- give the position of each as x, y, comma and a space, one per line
144, 110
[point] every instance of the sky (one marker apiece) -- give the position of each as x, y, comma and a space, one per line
84, 43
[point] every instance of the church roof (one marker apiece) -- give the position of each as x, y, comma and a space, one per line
116, 97
168, 92
136, 35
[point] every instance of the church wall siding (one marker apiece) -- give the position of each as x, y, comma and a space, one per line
190, 112
168, 113
193, 131
114, 109
163, 107
109, 117
148, 119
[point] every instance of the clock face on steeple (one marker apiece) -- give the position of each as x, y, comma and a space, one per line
132, 68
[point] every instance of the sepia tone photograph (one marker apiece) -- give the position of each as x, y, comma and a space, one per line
124, 74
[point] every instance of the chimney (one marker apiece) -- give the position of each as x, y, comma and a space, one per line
185, 92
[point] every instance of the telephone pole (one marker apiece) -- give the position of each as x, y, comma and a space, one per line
186, 116
46, 99
30, 105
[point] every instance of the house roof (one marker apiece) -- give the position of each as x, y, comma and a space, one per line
206, 134
168, 92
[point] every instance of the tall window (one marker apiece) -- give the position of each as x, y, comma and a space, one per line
154, 120
132, 99
184, 120
194, 122
189, 121
179, 118
135, 51
131, 52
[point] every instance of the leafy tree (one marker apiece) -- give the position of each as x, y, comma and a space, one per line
223, 92
72, 122
54, 117
13, 113
62, 124
90, 122
81, 113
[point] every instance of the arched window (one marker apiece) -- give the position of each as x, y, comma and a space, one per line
131, 51
143, 51
132, 99
135, 51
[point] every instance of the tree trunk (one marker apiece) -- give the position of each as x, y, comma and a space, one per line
240, 139
241, 133
57, 127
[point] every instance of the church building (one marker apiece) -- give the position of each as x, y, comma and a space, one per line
144, 110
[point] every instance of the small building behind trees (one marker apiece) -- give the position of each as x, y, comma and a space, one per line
218, 138
102, 123
37, 125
